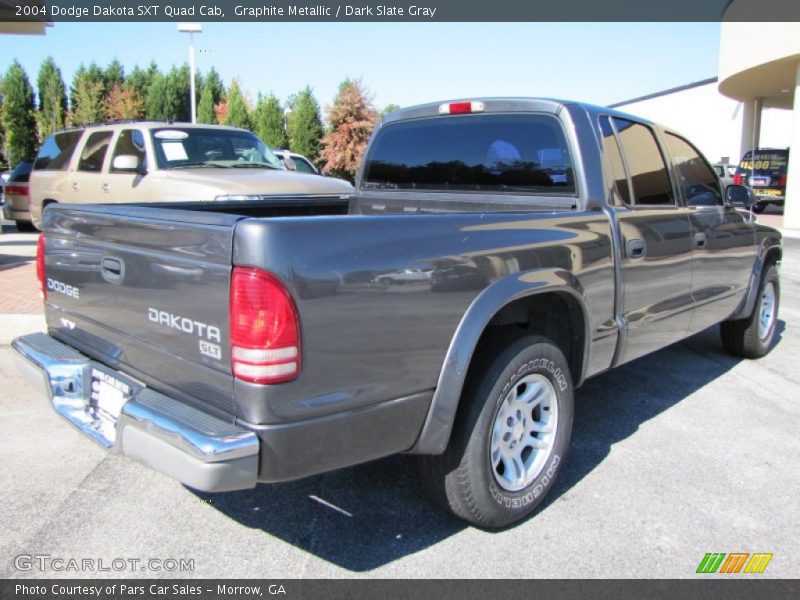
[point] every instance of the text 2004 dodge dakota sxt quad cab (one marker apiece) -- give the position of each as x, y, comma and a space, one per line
495, 255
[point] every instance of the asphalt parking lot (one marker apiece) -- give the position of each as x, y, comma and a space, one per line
680, 453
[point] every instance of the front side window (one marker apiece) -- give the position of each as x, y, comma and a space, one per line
303, 166
129, 143
502, 153
699, 183
56, 151
649, 176
94, 152
198, 147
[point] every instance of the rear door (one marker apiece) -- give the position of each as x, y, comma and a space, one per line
85, 184
656, 232
724, 239
146, 296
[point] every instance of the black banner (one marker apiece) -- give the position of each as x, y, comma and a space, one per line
401, 589
398, 10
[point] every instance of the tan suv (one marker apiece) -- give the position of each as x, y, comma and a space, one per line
163, 162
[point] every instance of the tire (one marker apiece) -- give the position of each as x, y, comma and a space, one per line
25, 226
760, 207
495, 493
753, 336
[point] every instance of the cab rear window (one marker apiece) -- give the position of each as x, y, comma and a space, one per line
499, 153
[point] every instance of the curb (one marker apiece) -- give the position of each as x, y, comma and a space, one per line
13, 325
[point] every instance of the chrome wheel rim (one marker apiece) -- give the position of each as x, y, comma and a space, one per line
766, 314
524, 432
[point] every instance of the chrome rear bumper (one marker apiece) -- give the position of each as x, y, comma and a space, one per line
197, 449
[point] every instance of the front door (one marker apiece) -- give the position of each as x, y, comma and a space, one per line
127, 185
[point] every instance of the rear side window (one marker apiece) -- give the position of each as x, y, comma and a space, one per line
649, 176
130, 142
94, 152
57, 150
490, 153
611, 146
699, 183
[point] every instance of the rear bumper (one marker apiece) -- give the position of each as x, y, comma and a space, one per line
189, 445
13, 212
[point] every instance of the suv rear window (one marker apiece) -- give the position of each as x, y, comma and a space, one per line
495, 153
57, 150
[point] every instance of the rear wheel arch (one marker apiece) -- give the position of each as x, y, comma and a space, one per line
557, 312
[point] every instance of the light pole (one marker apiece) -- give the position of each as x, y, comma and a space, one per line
191, 29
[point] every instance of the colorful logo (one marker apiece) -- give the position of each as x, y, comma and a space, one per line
734, 562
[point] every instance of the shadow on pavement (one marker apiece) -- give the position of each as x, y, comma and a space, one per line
366, 516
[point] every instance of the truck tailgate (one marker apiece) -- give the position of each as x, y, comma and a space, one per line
146, 296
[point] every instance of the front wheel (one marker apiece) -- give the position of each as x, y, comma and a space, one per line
510, 437
752, 337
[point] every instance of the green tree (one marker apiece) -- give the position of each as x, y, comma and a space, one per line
88, 105
238, 114
305, 124
141, 79
52, 98
212, 93
268, 122
168, 96
91, 74
113, 74
19, 124
351, 119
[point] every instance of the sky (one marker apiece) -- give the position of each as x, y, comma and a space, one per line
401, 63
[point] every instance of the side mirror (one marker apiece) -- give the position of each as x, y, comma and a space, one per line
740, 196
125, 162
290, 164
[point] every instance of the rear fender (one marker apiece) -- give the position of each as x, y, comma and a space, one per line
436, 432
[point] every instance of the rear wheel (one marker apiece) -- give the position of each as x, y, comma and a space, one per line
752, 337
510, 437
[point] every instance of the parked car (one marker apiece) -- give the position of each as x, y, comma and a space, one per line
765, 171
16, 197
152, 161
196, 348
296, 162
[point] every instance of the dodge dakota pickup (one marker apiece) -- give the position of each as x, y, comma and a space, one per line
496, 253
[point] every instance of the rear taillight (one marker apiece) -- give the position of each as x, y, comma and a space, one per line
40, 265
461, 108
265, 330
16, 190
737, 179
783, 180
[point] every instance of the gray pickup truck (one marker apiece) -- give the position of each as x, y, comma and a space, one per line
496, 253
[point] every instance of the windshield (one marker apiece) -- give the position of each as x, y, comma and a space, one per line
195, 147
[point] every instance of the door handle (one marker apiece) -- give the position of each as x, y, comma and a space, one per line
112, 269
105, 187
635, 248
74, 185
699, 240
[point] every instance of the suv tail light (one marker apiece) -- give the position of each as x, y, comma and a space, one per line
783, 180
40, 265
265, 330
16, 190
737, 179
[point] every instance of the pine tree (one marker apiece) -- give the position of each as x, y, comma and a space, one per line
19, 123
168, 96
113, 74
91, 74
238, 115
87, 98
268, 122
305, 124
140, 80
52, 98
351, 119
212, 93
